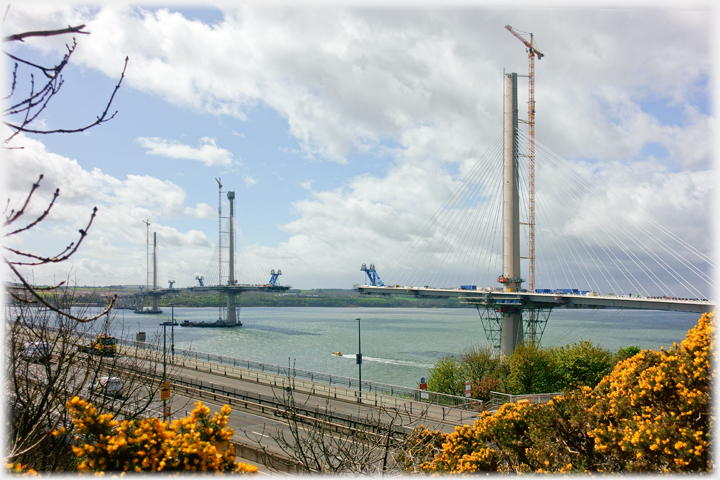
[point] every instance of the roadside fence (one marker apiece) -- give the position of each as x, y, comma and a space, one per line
337, 386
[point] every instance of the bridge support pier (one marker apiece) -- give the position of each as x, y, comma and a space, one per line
155, 308
511, 331
231, 315
140, 303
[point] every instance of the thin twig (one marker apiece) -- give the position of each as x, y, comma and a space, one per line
44, 33
55, 309
11, 218
101, 119
62, 256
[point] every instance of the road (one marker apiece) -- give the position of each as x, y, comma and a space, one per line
260, 399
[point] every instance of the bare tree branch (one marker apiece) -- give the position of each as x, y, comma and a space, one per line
45, 33
15, 215
60, 257
55, 309
35, 102
100, 119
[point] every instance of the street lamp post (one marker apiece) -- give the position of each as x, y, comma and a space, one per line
164, 360
358, 360
172, 332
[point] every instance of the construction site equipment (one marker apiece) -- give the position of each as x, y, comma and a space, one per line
532, 51
103, 344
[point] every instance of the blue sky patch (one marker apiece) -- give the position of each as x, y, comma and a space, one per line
667, 114
206, 15
655, 150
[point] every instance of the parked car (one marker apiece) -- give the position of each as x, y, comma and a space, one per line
36, 352
110, 386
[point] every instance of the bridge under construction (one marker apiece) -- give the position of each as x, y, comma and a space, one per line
510, 313
229, 291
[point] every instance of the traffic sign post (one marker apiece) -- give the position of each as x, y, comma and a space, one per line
165, 391
467, 388
423, 386
166, 411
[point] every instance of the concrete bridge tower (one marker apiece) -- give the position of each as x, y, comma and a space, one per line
511, 330
155, 308
231, 317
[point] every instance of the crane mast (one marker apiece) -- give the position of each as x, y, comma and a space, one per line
532, 52
219, 246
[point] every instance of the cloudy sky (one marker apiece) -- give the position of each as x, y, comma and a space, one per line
340, 129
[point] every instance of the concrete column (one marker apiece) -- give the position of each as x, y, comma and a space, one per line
231, 299
512, 322
154, 298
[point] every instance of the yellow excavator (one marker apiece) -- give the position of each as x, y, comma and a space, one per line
104, 345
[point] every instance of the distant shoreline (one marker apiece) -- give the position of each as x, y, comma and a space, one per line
348, 300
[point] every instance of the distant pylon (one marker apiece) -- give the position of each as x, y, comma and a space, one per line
147, 255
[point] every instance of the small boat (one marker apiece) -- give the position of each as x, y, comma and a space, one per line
337, 354
210, 325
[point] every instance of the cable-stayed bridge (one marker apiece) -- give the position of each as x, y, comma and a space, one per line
222, 275
583, 246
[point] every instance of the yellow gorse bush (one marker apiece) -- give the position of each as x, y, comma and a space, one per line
650, 414
652, 410
199, 442
17, 468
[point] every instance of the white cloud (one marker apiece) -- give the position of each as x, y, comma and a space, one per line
208, 153
114, 251
250, 181
349, 79
201, 210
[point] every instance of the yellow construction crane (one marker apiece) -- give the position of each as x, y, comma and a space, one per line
532, 53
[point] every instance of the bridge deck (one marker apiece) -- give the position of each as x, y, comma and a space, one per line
214, 288
548, 299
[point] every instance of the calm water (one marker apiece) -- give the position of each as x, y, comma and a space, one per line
399, 345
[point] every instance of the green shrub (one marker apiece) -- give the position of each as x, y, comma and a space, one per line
583, 364
446, 377
534, 369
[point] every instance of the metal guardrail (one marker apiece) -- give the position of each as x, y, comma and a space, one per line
369, 388
326, 378
276, 405
497, 398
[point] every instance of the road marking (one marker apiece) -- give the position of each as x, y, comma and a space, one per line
261, 434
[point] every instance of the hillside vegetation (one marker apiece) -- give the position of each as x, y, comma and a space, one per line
310, 298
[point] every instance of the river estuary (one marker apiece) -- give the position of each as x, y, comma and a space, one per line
399, 345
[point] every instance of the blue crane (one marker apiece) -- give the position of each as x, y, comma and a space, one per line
372, 275
274, 276
200, 280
